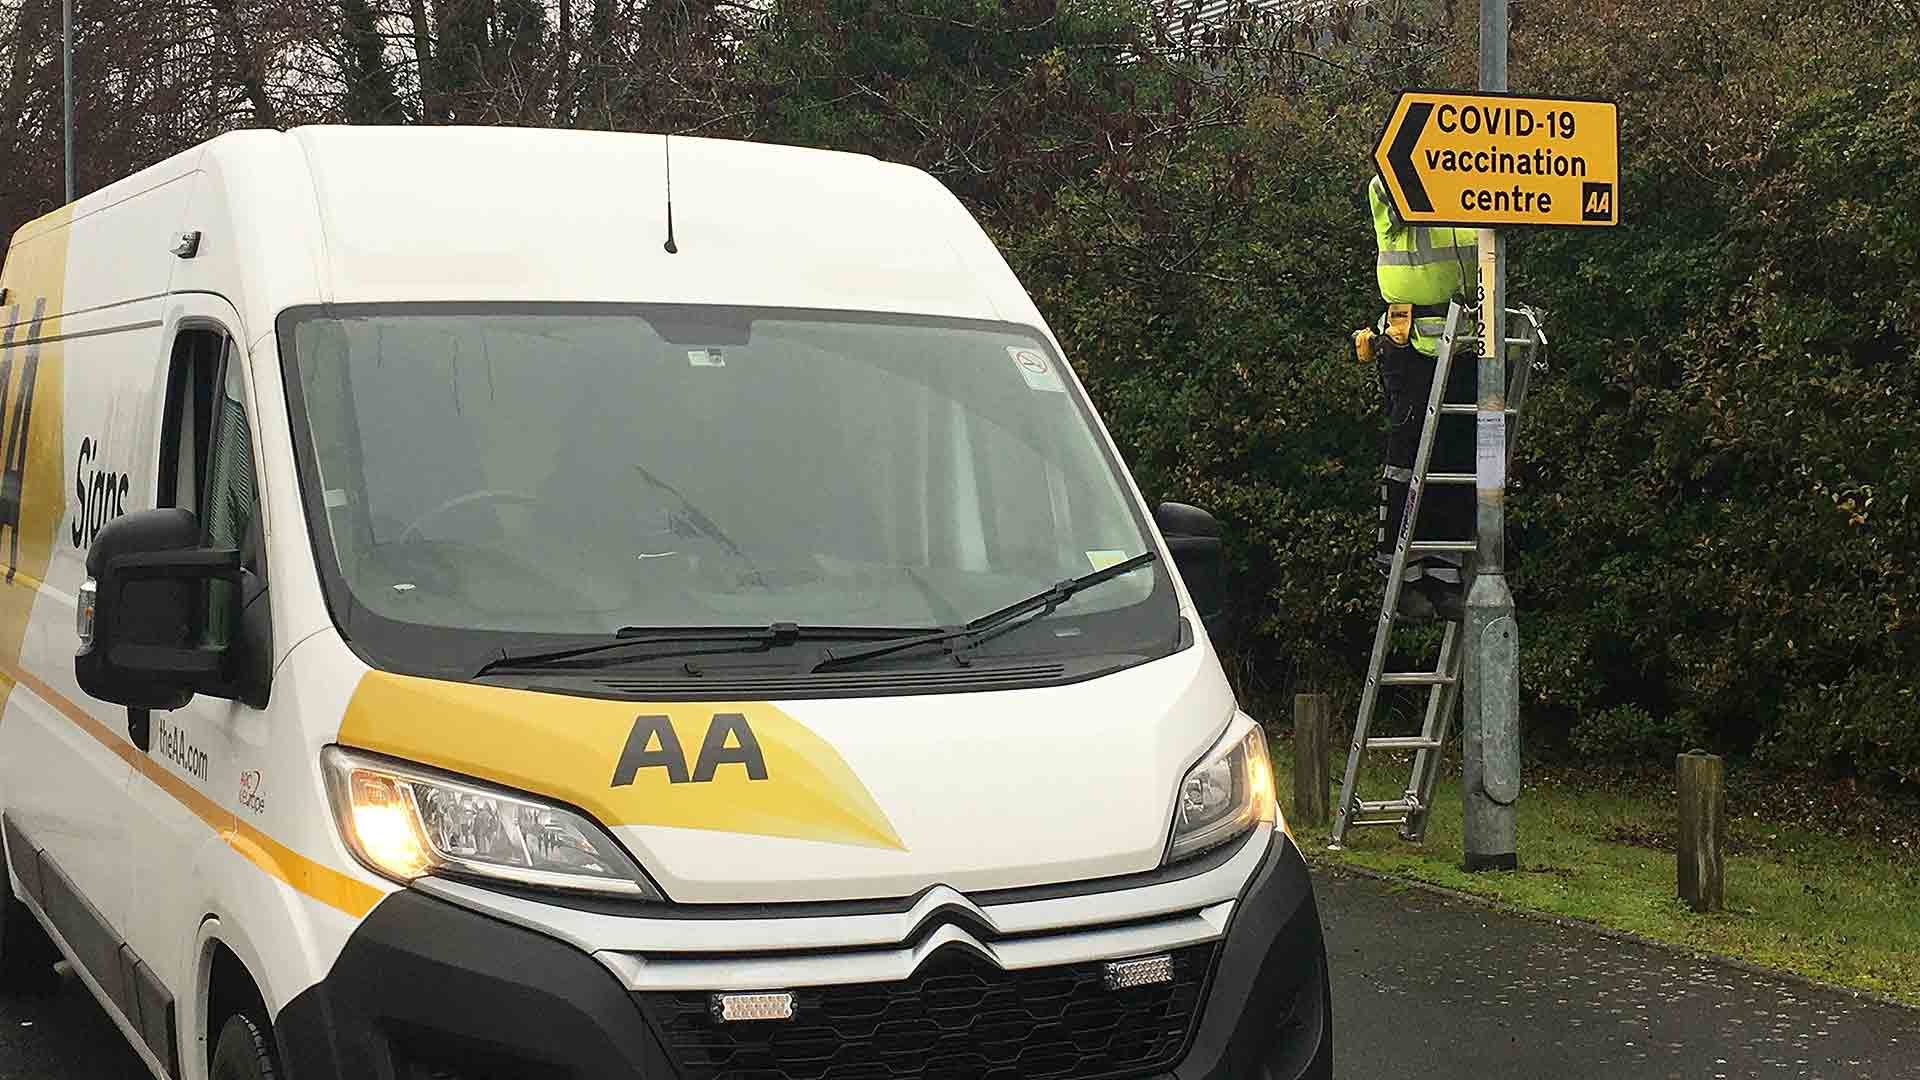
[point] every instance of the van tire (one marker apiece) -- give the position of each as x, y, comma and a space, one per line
244, 1051
27, 954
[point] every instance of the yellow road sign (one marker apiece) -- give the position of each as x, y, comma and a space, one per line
1480, 159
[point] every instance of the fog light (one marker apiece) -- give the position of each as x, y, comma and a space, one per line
728, 1008
1146, 971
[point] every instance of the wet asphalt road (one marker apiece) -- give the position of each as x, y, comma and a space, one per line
1420, 980
1423, 987
64, 1036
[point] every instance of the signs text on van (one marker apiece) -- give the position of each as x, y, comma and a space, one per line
1479, 159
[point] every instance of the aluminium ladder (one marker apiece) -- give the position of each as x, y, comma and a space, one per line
1409, 811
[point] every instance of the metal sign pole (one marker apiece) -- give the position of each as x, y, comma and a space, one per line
1490, 732
66, 88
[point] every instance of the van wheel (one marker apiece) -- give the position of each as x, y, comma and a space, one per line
27, 955
245, 1051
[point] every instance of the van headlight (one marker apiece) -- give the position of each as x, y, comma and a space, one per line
405, 822
1228, 793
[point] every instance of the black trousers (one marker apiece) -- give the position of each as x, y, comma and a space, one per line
1446, 510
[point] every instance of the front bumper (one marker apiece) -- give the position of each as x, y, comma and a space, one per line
426, 988
1269, 1011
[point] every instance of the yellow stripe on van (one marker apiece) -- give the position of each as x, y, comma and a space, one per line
571, 748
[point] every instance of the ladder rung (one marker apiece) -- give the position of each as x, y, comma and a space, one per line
1411, 743
1361, 823
1465, 478
1436, 547
1414, 678
1461, 408
1386, 806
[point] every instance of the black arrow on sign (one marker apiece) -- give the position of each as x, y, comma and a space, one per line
1400, 157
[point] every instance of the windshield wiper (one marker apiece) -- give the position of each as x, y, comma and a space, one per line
990, 624
771, 636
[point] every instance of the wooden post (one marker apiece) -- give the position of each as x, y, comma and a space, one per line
1703, 830
1312, 781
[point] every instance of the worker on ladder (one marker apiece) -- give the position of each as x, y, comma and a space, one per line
1420, 270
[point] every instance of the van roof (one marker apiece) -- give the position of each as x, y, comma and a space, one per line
408, 214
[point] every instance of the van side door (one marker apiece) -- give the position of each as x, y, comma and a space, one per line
185, 799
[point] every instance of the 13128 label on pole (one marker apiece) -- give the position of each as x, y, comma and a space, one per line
1483, 159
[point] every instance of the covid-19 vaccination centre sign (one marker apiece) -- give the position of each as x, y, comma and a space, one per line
1483, 159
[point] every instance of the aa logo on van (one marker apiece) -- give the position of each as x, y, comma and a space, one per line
32, 424
727, 766
19, 418
652, 744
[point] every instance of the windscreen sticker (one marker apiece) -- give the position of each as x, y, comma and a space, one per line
1104, 558
1036, 369
706, 358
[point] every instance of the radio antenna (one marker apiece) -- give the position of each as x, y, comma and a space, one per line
666, 142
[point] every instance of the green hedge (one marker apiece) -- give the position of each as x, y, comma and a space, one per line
1712, 538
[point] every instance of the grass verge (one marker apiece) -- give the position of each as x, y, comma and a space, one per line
1835, 907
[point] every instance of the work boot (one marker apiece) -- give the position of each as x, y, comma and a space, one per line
1414, 605
1445, 599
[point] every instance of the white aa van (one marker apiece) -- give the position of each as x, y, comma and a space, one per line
449, 630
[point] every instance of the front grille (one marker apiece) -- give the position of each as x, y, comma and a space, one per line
959, 1016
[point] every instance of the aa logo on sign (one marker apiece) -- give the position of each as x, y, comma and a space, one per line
1596, 202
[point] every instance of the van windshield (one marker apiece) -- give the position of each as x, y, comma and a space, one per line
567, 470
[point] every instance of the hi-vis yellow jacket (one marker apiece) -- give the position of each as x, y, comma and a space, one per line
1420, 265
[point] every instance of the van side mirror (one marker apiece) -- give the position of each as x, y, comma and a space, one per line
1193, 538
147, 609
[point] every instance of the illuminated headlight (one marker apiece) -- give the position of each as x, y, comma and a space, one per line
83, 611
1228, 793
404, 822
